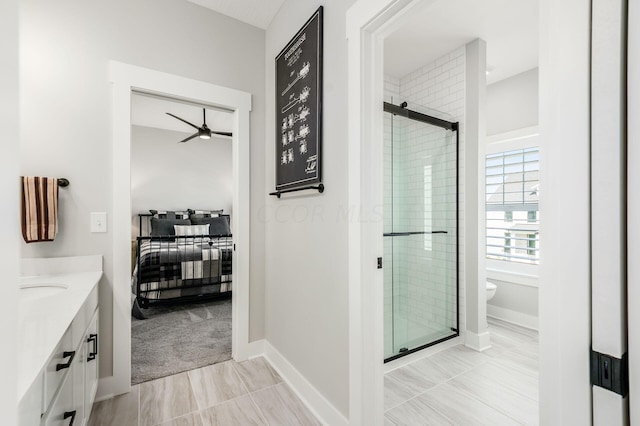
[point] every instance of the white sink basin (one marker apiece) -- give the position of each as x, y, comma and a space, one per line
38, 290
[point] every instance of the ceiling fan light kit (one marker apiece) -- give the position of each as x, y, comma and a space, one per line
203, 131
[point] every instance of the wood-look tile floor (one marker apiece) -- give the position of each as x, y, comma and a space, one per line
459, 386
229, 393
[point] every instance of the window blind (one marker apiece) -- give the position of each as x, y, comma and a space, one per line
512, 216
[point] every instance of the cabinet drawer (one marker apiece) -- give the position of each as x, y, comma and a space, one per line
56, 371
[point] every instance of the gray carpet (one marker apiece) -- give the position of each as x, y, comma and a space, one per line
180, 338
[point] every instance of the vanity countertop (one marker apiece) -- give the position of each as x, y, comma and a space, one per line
43, 319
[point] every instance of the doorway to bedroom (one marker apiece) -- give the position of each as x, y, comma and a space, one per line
181, 238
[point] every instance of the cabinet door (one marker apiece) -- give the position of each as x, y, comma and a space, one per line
61, 412
30, 407
58, 367
91, 364
68, 406
78, 374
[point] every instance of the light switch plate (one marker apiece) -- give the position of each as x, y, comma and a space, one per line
98, 222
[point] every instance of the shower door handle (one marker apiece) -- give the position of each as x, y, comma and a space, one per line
406, 234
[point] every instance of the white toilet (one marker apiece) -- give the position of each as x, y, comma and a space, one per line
491, 290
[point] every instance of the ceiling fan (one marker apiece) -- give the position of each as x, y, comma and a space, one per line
203, 131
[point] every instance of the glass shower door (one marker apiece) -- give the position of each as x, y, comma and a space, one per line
420, 234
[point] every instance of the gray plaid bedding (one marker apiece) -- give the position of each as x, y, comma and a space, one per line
168, 268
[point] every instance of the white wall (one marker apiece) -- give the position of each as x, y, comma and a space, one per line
306, 235
66, 109
512, 103
166, 175
515, 303
9, 228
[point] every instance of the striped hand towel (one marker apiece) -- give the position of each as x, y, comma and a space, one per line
39, 208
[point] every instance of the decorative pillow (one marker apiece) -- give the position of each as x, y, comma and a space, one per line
192, 230
168, 214
199, 214
218, 226
166, 226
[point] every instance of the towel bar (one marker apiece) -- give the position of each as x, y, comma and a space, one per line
63, 182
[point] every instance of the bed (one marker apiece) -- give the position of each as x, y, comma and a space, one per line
187, 256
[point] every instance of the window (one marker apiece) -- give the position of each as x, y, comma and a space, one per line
512, 186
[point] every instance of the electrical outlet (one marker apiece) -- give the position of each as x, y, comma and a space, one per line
98, 222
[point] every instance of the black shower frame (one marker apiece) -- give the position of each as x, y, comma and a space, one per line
403, 111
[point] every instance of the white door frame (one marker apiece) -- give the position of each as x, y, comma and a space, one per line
564, 276
608, 221
633, 206
368, 22
126, 79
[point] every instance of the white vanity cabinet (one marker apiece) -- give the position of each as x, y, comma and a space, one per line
68, 383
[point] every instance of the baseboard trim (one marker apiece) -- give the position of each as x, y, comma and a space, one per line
308, 394
514, 317
255, 349
477, 342
105, 389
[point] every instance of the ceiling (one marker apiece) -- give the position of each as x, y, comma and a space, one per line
258, 13
510, 28
150, 111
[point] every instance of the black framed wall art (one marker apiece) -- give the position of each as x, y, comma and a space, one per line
299, 108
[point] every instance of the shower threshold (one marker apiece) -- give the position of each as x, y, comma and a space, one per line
406, 351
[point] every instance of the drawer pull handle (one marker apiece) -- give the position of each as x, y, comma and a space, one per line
68, 364
93, 338
71, 414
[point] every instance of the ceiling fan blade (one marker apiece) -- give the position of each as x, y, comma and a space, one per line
184, 121
222, 133
190, 137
